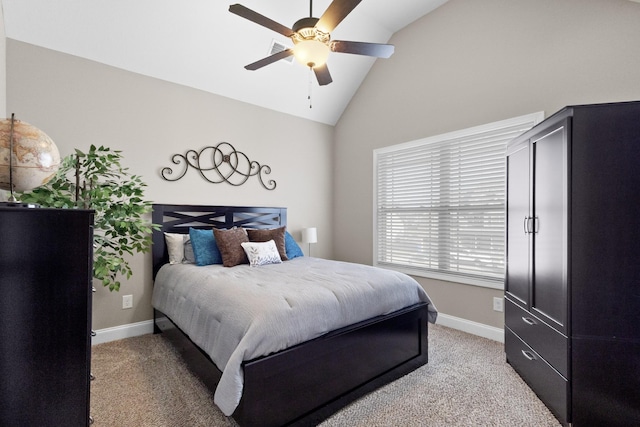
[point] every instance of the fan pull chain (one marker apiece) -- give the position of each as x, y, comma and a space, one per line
310, 83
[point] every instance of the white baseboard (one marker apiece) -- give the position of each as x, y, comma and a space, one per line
146, 327
123, 331
471, 327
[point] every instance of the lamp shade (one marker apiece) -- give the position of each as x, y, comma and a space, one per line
309, 235
311, 53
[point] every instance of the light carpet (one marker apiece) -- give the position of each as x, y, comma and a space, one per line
142, 382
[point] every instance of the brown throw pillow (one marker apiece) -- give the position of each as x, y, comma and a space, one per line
229, 243
275, 234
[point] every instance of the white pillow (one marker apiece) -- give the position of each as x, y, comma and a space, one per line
189, 257
262, 253
175, 247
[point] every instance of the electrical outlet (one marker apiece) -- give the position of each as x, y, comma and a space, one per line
127, 301
498, 304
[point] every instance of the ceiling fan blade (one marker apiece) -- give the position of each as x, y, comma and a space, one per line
249, 14
269, 59
362, 48
323, 75
335, 13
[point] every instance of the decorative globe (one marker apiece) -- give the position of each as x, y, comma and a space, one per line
35, 156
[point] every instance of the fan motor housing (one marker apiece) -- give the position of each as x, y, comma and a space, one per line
309, 22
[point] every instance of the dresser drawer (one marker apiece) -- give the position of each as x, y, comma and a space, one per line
546, 341
546, 382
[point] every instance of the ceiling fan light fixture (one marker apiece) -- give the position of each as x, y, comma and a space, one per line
312, 38
311, 46
311, 53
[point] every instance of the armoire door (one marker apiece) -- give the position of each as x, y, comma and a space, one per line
518, 224
550, 230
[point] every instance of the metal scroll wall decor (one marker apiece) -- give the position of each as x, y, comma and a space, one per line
218, 164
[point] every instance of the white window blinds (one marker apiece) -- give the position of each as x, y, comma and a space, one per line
439, 203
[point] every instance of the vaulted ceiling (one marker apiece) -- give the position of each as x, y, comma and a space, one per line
200, 44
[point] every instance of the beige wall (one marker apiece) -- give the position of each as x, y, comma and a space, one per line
469, 63
3, 68
79, 102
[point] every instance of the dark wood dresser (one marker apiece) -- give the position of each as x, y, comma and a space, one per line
45, 316
572, 288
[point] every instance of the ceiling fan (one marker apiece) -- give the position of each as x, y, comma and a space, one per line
312, 39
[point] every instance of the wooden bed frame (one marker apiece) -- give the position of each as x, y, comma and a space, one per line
307, 383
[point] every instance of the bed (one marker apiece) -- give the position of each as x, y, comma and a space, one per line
318, 366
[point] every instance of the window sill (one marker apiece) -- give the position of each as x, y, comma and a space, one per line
466, 280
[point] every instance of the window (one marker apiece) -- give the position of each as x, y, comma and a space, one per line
439, 203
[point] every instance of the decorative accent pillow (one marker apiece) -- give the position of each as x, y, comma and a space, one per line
275, 234
262, 253
175, 247
229, 244
205, 249
293, 250
189, 256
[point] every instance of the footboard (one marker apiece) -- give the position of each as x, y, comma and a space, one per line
305, 384
311, 381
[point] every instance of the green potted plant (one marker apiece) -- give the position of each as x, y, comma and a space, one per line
96, 180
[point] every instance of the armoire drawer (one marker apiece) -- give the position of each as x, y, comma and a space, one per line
546, 382
546, 341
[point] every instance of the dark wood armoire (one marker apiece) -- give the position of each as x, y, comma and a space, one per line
45, 316
572, 288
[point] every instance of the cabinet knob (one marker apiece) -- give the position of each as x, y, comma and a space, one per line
93, 333
92, 377
528, 321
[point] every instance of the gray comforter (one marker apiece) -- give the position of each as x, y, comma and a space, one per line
240, 313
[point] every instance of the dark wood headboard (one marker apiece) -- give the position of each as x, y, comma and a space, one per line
178, 219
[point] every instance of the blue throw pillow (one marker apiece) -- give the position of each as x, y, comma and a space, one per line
205, 248
291, 247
